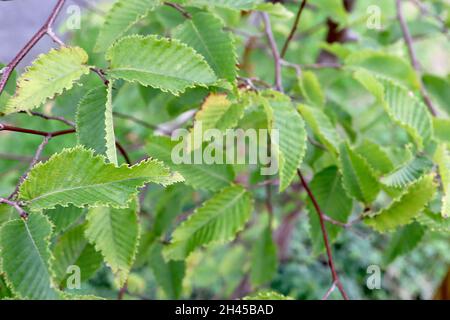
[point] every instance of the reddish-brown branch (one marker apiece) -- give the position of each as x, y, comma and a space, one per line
274, 49
412, 54
45, 29
325, 235
294, 28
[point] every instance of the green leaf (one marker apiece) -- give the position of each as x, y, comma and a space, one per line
73, 249
26, 257
211, 177
49, 75
439, 90
161, 63
115, 233
204, 32
403, 241
291, 147
408, 172
408, 206
377, 158
358, 176
442, 129
216, 221
443, 161
332, 199
120, 18
169, 275
94, 121
321, 126
9, 90
63, 217
264, 258
311, 89
75, 176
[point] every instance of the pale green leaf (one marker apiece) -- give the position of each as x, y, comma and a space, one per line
439, 90
75, 176
358, 177
63, 217
443, 161
120, 18
204, 32
321, 126
226, 4
377, 158
161, 63
49, 75
74, 250
26, 257
434, 221
216, 221
442, 129
311, 89
267, 295
404, 209
403, 241
94, 121
115, 233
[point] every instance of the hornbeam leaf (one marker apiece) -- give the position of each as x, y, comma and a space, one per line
198, 175
358, 177
443, 161
204, 32
434, 221
120, 18
290, 127
267, 295
321, 126
332, 199
408, 172
63, 217
311, 90
377, 158
217, 112
168, 274
442, 129
49, 75
75, 176
161, 63
216, 221
115, 233
264, 258
73, 249
26, 257
94, 121
408, 206
403, 241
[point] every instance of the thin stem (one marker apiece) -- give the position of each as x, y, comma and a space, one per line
101, 74
33, 162
139, 121
45, 29
16, 206
274, 49
179, 8
46, 117
294, 28
412, 54
324, 234
329, 291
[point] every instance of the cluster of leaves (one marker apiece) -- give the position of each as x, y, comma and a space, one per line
376, 154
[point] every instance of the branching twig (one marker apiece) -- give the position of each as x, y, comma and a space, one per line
274, 49
45, 29
294, 28
329, 291
325, 236
412, 54
179, 8
16, 206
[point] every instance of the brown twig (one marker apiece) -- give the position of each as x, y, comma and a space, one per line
45, 29
412, 54
294, 28
179, 8
274, 49
324, 234
16, 206
329, 291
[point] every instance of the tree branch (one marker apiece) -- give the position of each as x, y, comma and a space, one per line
274, 49
179, 8
294, 28
325, 236
45, 29
412, 54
